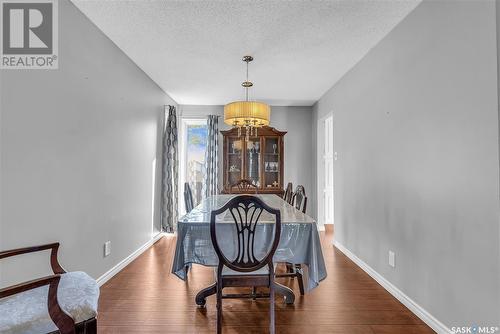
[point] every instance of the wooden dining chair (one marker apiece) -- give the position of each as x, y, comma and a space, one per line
287, 197
300, 199
188, 197
62, 303
189, 204
245, 270
244, 186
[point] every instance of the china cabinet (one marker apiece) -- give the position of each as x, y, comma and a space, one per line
258, 159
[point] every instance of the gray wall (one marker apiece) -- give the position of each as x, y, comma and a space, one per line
296, 121
497, 5
77, 148
416, 130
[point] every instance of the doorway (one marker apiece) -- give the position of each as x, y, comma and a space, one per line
192, 146
325, 164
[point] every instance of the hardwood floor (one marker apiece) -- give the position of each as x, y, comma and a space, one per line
146, 298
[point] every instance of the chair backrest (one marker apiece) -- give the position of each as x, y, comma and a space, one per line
188, 197
246, 210
287, 197
300, 198
244, 186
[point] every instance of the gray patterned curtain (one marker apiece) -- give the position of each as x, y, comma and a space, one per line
170, 175
211, 175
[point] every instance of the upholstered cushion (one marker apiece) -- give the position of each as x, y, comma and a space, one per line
27, 312
229, 272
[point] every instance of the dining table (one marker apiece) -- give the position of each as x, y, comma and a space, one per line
299, 243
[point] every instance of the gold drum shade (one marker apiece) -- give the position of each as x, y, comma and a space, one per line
247, 113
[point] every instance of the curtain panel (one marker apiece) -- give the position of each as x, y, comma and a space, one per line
170, 174
211, 175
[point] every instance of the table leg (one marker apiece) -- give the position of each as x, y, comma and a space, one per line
201, 297
212, 289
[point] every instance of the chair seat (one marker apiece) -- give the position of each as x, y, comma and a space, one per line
27, 312
229, 272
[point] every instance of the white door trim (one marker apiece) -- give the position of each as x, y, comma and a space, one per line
320, 178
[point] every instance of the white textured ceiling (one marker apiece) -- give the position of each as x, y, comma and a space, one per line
193, 49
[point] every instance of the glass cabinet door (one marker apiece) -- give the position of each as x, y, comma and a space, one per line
272, 162
252, 161
235, 155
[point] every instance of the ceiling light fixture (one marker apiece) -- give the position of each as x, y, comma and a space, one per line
249, 115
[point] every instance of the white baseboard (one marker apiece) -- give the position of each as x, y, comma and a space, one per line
123, 263
419, 311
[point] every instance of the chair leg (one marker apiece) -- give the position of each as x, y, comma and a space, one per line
271, 308
298, 272
219, 308
91, 327
254, 292
289, 268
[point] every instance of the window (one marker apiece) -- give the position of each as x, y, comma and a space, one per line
192, 152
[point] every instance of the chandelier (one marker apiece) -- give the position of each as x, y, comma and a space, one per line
247, 115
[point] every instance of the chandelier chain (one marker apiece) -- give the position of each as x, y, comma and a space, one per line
246, 88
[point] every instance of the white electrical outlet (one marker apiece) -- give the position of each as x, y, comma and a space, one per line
107, 248
392, 259
335, 156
